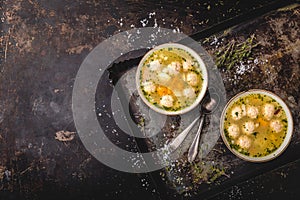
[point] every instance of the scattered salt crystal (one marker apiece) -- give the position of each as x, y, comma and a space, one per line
176, 30
155, 23
241, 69
144, 22
214, 41
151, 14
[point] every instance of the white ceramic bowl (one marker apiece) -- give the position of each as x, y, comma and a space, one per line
203, 70
286, 140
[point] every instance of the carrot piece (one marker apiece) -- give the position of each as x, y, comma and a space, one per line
262, 122
161, 91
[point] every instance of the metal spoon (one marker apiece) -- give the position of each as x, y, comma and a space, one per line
174, 144
206, 108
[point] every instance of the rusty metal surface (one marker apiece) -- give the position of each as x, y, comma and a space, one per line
43, 44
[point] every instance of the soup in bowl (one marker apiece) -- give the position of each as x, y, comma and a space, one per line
172, 79
256, 125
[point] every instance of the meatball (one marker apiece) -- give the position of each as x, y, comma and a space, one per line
244, 142
252, 112
149, 87
268, 111
167, 101
186, 65
189, 93
154, 65
192, 79
233, 131
173, 68
276, 126
163, 77
236, 113
248, 127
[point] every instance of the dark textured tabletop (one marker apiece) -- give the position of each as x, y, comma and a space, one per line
43, 44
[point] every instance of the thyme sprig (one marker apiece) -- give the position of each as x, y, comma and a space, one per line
234, 52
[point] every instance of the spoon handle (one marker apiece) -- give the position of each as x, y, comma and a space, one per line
174, 144
193, 150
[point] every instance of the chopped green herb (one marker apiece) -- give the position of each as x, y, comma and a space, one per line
255, 133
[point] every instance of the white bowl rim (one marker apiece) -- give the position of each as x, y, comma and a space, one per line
286, 140
202, 67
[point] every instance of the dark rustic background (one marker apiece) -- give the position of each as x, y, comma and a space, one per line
43, 44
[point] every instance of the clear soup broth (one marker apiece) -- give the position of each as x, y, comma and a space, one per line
171, 79
255, 125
